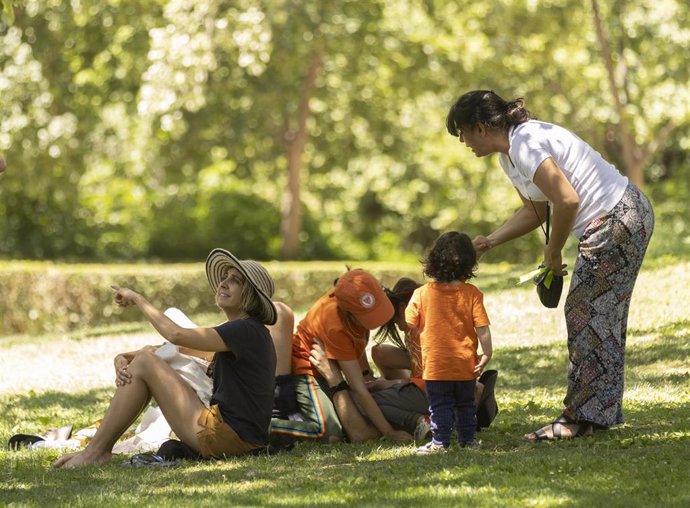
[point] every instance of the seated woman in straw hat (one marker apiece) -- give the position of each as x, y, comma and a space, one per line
243, 370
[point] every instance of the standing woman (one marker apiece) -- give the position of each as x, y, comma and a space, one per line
243, 367
610, 217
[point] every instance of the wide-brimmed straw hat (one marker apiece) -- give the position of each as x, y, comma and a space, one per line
219, 260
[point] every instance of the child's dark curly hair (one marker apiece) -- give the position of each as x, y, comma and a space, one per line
451, 258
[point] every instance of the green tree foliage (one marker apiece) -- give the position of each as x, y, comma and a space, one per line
165, 128
7, 13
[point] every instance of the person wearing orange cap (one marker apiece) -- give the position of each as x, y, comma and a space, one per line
342, 320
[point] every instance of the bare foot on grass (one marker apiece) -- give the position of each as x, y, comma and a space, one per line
83, 458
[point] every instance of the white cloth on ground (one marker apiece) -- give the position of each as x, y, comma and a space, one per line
153, 430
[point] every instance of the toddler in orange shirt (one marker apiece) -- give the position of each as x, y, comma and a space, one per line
451, 319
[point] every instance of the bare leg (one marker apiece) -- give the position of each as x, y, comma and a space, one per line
281, 332
151, 376
392, 362
356, 427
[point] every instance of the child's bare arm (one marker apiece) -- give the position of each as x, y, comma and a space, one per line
484, 336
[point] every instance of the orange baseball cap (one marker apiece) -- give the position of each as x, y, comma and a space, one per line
360, 293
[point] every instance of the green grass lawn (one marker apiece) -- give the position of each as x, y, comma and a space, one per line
49, 381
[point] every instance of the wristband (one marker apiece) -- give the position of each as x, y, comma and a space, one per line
339, 387
366, 372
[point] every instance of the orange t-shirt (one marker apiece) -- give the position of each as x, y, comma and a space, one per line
343, 340
447, 316
415, 351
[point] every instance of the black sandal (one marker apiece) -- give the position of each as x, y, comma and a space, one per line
583, 429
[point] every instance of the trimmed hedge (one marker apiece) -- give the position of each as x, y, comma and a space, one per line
49, 298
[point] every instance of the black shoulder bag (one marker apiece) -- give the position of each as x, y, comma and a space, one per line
549, 285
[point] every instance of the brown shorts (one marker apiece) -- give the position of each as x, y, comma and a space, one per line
218, 439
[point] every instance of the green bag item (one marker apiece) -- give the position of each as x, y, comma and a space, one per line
549, 288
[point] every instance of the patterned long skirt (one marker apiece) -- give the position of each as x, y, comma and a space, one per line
596, 309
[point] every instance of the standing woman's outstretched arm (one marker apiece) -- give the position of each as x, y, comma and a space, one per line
526, 219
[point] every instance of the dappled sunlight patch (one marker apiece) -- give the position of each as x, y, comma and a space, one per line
654, 438
642, 339
662, 330
380, 453
663, 360
642, 394
548, 495
518, 319
530, 353
36, 412
658, 295
65, 364
664, 373
457, 492
217, 485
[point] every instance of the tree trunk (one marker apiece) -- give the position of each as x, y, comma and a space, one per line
295, 141
627, 143
635, 157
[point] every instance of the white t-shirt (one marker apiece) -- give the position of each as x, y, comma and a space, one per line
598, 183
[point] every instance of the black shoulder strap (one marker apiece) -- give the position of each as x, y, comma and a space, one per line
548, 218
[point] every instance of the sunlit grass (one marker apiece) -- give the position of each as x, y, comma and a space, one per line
67, 379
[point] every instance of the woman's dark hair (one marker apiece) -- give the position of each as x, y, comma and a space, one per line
485, 107
399, 295
451, 258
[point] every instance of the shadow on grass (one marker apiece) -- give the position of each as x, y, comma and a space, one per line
505, 471
661, 360
676, 328
544, 367
652, 445
525, 368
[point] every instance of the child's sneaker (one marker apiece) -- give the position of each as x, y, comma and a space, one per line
422, 430
430, 448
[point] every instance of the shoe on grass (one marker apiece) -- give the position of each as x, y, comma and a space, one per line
422, 430
149, 460
431, 448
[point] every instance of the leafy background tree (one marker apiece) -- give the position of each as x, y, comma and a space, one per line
314, 130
